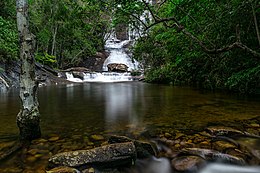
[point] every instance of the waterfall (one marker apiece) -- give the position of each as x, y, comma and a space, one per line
118, 54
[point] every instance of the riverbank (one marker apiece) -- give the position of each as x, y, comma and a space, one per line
184, 151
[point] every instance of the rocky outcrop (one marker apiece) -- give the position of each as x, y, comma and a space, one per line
115, 67
95, 62
9, 75
113, 155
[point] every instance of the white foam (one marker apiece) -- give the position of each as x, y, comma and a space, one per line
224, 168
101, 77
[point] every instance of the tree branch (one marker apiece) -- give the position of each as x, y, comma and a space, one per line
181, 28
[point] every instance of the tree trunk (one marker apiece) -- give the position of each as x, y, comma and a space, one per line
256, 25
28, 119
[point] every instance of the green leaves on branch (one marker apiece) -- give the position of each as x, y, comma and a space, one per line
8, 40
69, 30
171, 55
46, 59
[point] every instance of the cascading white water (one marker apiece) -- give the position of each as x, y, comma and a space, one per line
101, 77
117, 55
224, 168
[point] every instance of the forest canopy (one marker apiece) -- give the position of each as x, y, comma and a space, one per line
211, 44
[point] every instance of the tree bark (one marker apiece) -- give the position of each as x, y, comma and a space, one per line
255, 22
28, 119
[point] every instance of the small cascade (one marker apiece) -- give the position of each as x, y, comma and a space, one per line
100, 77
225, 168
118, 54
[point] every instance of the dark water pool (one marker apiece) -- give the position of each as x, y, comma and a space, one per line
111, 107
119, 108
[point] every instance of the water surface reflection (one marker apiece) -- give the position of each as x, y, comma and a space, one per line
100, 107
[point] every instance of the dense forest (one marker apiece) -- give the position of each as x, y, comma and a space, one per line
211, 44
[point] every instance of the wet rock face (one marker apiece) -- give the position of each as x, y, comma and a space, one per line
94, 63
115, 67
9, 75
112, 155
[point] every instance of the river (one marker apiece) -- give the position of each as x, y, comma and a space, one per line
98, 107
125, 108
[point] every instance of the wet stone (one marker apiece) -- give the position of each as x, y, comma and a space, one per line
223, 131
254, 125
97, 137
54, 138
31, 159
179, 135
187, 163
167, 135
63, 169
204, 144
222, 145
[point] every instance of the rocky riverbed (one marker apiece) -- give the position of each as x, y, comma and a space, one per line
185, 151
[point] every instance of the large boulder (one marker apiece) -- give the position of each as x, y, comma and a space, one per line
113, 155
117, 67
95, 62
143, 149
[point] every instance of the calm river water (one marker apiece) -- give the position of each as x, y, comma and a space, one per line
76, 112
115, 107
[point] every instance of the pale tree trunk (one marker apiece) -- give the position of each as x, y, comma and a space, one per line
28, 119
256, 25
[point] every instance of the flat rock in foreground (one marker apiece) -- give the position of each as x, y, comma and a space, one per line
113, 155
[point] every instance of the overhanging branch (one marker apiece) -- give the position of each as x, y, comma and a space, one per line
182, 29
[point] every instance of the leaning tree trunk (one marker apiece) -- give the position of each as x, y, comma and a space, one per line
28, 119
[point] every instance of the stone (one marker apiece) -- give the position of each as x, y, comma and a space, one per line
54, 138
204, 144
112, 155
97, 137
187, 163
63, 169
117, 67
167, 135
223, 131
77, 69
179, 135
143, 149
77, 74
222, 145
212, 155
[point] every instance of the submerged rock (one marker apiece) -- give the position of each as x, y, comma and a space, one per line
112, 155
212, 155
223, 131
63, 169
188, 163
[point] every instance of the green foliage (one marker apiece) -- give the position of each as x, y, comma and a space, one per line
8, 40
246, 81
169, 56
69, 30
46, 59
